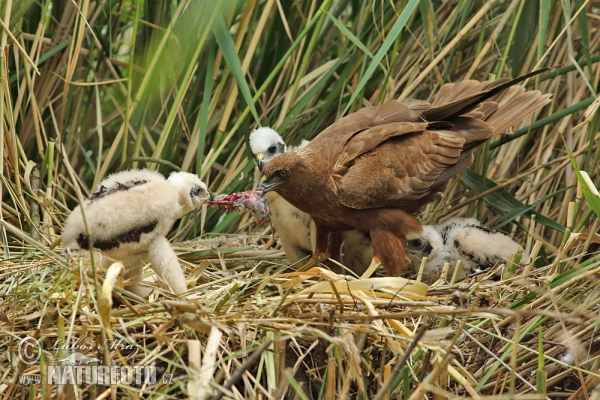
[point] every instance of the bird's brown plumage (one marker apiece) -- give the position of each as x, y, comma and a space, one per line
373, 169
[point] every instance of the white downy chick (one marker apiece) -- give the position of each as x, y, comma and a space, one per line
296, 229
464, 239
478, 247
129, 216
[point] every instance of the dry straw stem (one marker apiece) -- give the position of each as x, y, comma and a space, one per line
148, 84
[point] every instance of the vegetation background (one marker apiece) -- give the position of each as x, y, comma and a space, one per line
93, 87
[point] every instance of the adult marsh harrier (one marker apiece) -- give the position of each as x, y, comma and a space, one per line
296, 229
373, 169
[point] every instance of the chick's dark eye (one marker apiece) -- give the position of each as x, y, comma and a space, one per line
417, 244
197, 191
272, 149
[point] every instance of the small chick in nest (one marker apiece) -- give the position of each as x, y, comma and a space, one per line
129, 216
464, 239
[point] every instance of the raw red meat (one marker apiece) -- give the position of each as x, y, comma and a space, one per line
251, 200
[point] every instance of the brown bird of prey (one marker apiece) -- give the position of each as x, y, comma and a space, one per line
373, 169
296, 229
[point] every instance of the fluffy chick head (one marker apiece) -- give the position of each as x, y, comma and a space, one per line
265, 143
429, 244
193, 193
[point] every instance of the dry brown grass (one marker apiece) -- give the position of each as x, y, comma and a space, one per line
251, 326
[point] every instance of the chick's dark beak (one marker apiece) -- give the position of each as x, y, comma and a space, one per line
210, 196
260, 163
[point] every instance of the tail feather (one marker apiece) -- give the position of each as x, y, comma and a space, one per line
469, 95
483, 111
451, 92
500, 110
518, 108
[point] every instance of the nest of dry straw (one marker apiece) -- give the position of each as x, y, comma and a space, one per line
259, 329
251, 327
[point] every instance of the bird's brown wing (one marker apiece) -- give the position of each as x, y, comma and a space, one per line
368, 139
401, 152
408, 167
334, 140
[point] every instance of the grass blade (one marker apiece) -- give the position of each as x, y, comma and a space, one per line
231, 57
503, 200
587, 186
387, 43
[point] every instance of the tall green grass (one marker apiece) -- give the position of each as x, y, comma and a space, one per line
168, 85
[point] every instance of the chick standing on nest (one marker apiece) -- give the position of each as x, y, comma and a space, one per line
129, 216
464, 239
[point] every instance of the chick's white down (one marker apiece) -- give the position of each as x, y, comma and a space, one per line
129, 216
296, 229
464, 239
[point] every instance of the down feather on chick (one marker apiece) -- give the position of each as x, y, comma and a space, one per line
465, 239
129, 216
296, 229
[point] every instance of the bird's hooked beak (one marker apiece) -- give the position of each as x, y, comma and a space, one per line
265, 186
208, 199
260, 161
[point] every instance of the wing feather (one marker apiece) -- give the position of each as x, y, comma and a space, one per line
451, 92
331, 142
404, 168
369, 139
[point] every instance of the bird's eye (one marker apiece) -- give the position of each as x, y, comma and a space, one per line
418, 244
197, 191
282, 173
272, 149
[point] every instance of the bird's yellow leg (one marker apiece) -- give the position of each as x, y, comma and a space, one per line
309, 264
375, 263
315, 260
